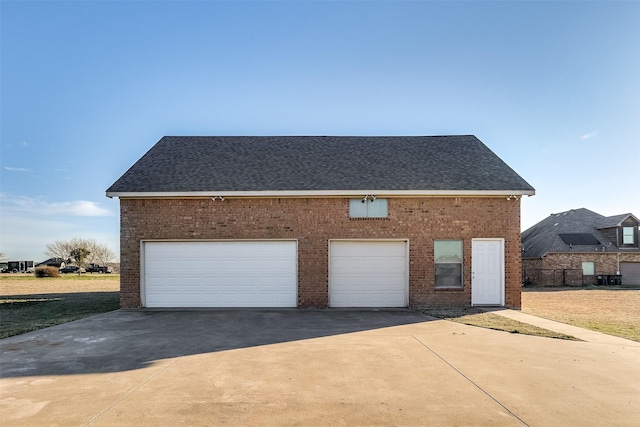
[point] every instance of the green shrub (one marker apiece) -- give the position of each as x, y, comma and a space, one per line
47, 272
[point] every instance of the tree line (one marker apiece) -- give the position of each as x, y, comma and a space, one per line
81, 251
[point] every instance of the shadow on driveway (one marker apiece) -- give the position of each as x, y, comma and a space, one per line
132, 339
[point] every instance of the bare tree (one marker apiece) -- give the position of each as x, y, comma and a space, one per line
59, 249
99, 253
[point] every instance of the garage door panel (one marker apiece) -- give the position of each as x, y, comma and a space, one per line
220, 274
368, 282
368, 274
368, 265
372, 299
630, 273
368, 249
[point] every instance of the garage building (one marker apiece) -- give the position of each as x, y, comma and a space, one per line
320, 222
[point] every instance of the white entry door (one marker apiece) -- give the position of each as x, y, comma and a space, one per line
487, 272
368, 273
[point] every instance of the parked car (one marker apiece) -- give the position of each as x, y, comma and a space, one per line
72, 269
95, 268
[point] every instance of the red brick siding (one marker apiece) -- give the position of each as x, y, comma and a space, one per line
314, 221
565, 269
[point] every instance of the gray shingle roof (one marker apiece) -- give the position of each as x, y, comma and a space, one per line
613, 221
544, 237
311, 163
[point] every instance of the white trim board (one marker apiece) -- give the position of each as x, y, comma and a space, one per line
324, 193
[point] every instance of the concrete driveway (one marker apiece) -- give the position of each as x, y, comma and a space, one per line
309, 367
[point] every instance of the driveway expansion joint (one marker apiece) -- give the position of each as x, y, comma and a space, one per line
127, 394
143, 383
470, 381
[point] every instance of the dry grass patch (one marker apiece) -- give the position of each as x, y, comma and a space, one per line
28, 303
27, 284
613, 311
476, 317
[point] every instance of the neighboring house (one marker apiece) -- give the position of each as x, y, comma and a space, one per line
316, 221
52, 262
575, 247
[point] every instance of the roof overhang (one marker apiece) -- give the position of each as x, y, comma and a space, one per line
324, 193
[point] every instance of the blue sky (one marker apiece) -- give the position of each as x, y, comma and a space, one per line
87, 87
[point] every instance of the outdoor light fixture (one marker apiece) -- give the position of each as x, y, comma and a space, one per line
217, 197
369, 197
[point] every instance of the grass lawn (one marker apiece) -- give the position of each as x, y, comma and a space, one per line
475, 317
610, 310
613, 311
28, 303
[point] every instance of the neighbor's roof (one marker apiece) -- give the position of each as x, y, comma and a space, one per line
279, 165
614, 221
52, 262
553, 233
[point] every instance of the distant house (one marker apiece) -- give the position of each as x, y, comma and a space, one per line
52, 262
315, 221
573, 248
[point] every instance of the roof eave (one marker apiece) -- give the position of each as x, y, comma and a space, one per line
323, 193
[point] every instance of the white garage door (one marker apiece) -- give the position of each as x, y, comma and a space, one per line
220, 274
630, 273
368, 273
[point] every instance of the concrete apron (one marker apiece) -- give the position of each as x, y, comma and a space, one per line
309, 367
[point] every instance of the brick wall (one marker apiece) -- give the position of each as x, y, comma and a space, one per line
565, 269
314, 221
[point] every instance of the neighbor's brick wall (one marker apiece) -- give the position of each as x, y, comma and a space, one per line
565, 269
313, 222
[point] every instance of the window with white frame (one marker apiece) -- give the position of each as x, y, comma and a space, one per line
588, 268
368, 207
628, 235
447, 255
